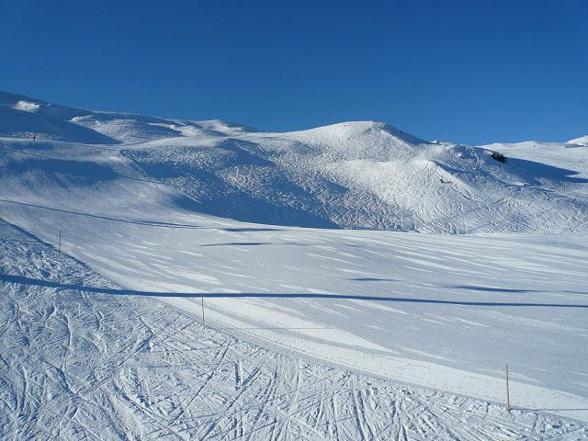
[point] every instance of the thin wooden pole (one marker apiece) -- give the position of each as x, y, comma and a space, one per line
59, 241
202, 300
507, 391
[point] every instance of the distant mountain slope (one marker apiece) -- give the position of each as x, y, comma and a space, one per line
583, 140
359, 175
21, 116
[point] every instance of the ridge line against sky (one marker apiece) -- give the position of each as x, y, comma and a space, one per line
471, 72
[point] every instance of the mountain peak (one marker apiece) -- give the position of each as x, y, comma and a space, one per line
350, 132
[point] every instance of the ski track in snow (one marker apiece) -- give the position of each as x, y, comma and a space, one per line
359, 174
445, 312
75, 365
159, 208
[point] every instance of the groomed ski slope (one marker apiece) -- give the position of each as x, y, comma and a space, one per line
79, 362
160, 208
440, 311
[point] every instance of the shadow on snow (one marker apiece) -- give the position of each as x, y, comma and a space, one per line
7, 278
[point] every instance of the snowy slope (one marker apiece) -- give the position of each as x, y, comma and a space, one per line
364, 175
80, 359
583, 140
440, 311
360, 175
25, 117
162, 216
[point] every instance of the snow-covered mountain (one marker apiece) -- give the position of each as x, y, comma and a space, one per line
359, 175
160, 220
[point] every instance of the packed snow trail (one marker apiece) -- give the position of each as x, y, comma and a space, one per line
77, 364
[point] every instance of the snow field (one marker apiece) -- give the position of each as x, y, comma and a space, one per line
76, 363
366, 334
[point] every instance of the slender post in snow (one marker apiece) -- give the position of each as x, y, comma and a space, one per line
1, 214
59, 242
507, 391
202, 300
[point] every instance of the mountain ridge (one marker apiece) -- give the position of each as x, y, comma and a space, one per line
354, 175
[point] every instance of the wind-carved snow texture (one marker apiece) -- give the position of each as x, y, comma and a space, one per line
364, 175
358, 175
79, 363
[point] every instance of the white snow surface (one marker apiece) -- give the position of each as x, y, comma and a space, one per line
26, 106
583, 140
354, 175
80, 358
258, 225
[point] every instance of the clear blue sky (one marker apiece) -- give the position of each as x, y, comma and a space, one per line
470, 70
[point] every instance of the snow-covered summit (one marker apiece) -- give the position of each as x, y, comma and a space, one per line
24, 117
350, 130
357, 174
